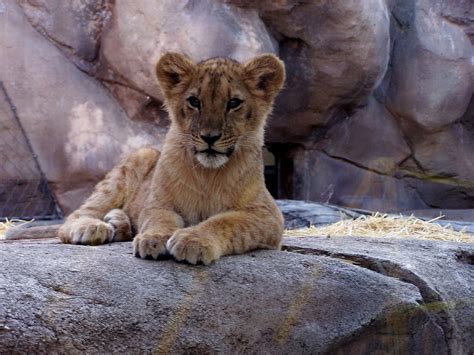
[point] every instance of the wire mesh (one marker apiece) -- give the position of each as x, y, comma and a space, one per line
24, 190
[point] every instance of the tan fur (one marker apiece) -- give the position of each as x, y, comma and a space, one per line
196, 201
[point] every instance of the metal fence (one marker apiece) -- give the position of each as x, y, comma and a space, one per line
24, 190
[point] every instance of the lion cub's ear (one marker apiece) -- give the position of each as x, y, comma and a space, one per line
174, 72
265, 76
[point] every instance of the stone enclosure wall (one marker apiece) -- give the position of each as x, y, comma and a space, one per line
377, 112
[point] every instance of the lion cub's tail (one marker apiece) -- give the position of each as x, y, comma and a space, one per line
39, 232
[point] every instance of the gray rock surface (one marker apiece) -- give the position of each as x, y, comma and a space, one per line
443, 272
300, 214
63, 298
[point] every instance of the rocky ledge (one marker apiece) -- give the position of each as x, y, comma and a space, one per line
318, 295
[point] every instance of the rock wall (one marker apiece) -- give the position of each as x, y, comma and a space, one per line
377, 113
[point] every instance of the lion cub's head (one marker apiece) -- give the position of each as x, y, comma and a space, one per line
219, 106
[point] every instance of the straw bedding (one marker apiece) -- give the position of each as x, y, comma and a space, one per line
381, 225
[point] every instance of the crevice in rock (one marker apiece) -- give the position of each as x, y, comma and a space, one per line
125, 85
465, 256
86, 65
61, 289
360, 166
107, 11
432, 302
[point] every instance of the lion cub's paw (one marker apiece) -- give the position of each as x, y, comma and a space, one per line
120, 223
89, 231
189, 245
145, 245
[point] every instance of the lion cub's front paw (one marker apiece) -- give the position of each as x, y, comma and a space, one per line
145, 245
86, 230
190, 245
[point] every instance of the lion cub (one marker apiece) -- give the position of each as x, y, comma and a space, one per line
204, 196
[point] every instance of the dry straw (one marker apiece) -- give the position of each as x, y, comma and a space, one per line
381, 225
11, 223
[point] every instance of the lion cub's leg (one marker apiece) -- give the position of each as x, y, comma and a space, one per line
86, 225
121, 225
233, 232
157, 225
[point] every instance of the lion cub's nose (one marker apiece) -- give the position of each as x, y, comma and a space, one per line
210, 139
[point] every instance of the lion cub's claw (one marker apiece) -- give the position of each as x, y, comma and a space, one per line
149, 246
189, 245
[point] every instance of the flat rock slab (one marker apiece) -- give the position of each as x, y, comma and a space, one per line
300, 214
442, 271
64, 298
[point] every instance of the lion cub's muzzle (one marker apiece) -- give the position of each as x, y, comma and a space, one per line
214, 155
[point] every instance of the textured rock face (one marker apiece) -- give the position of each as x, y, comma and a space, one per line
141, 31
62, 298
378, 92
74, 25
75, 127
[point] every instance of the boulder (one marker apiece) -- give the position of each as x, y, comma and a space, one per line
431, 80
74, 26
444, 154
323, 178
101, 299
370, 138
76, 129
442, 271
301, 214
336, 54
141, 31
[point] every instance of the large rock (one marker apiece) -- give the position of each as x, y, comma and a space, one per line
320, 177
74, 26
301, 214
370, 138
336, 54
442, 271
63, 298
431, 80
77, 130
141, 31
444, 154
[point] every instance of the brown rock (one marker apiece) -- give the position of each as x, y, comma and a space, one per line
431, 80
141, 31
369, 138
318, 177
336, 54
74, 26
446, 154
77, 130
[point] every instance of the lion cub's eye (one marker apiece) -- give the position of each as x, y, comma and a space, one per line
194, 102
233, 103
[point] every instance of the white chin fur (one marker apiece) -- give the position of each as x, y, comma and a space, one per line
209, 161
